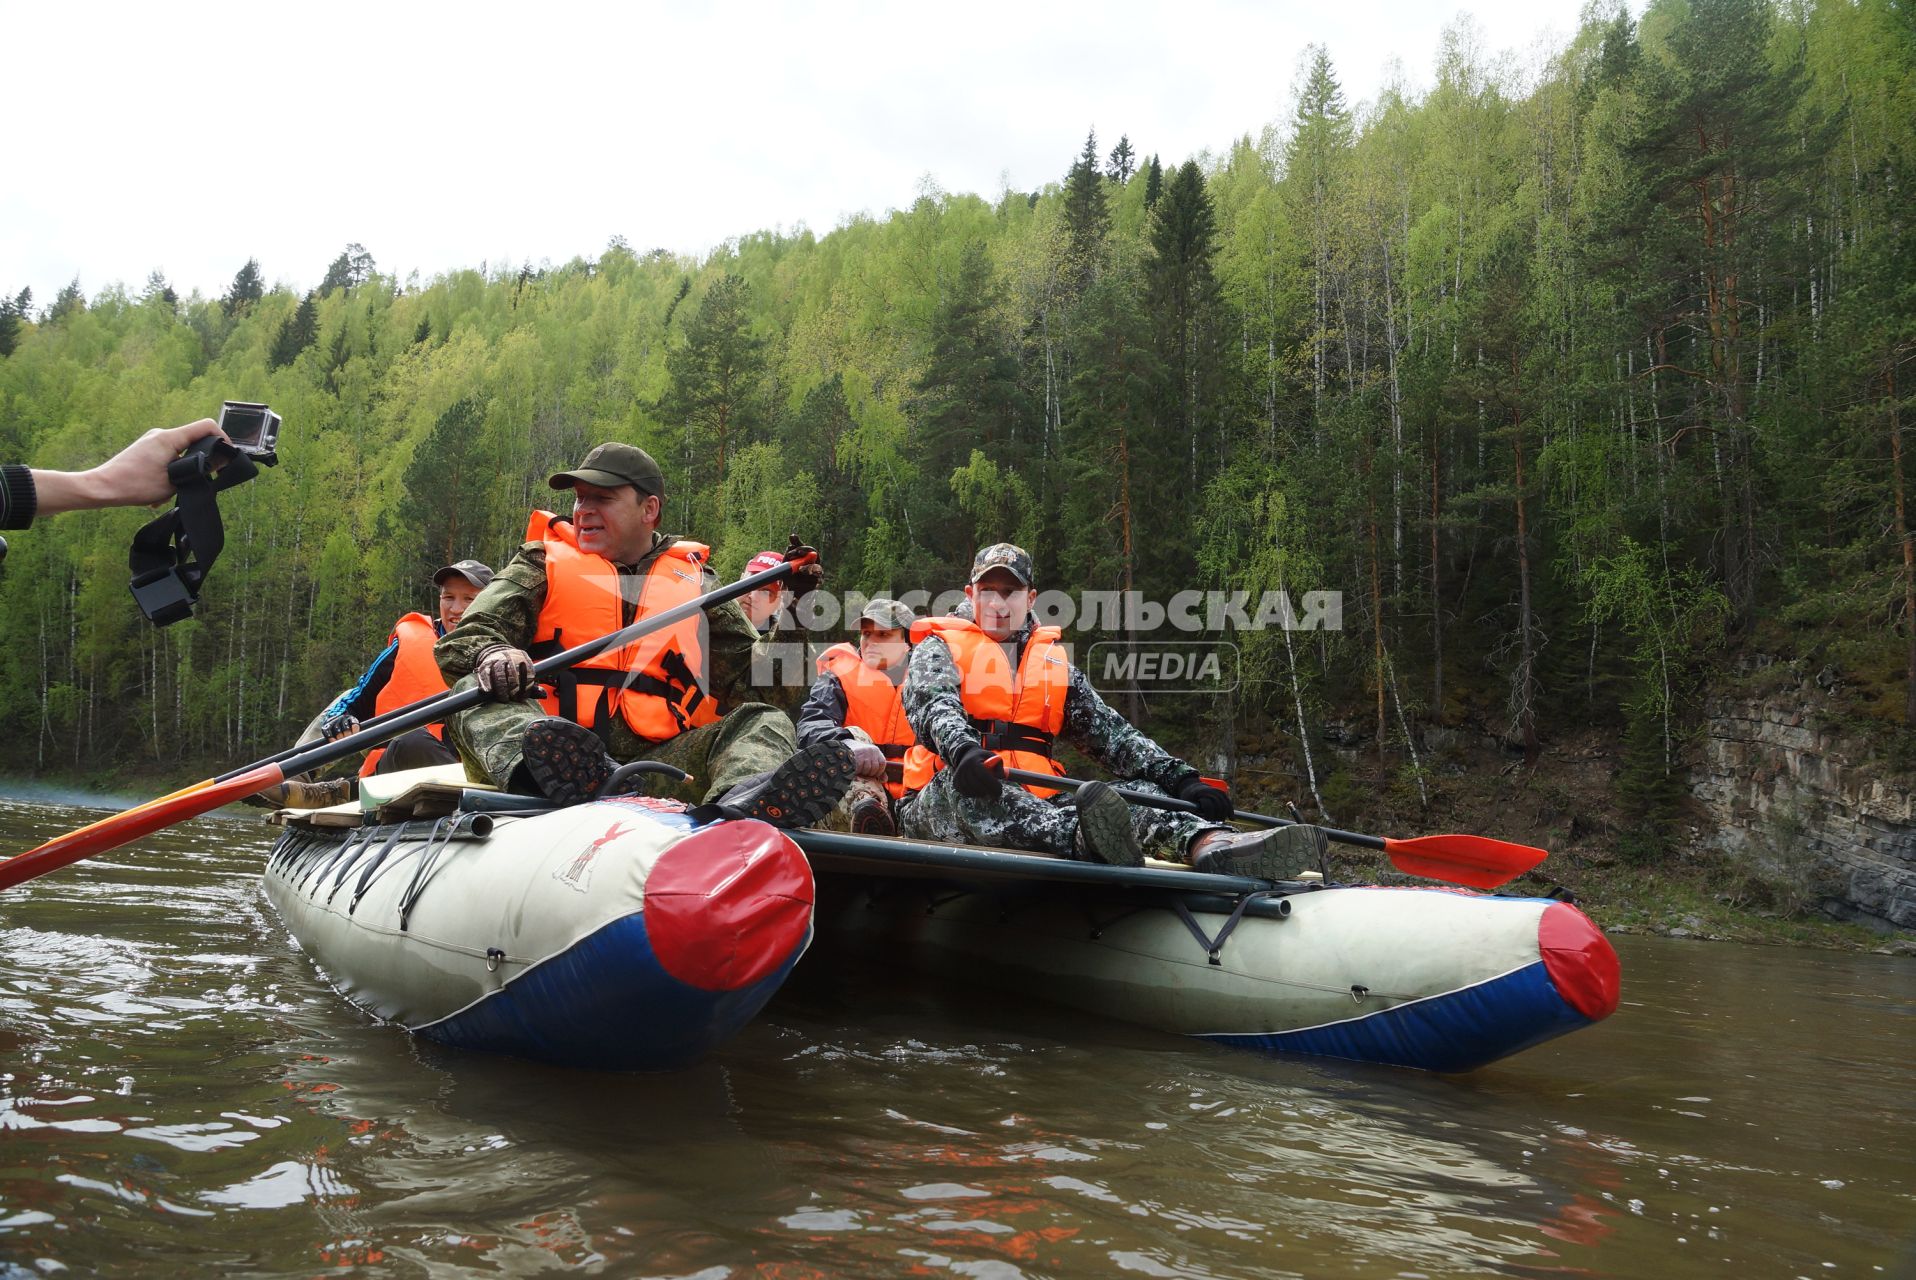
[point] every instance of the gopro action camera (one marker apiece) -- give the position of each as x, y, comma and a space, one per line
253, 428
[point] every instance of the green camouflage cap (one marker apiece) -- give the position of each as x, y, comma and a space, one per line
613, 464
1015, 561
889, 614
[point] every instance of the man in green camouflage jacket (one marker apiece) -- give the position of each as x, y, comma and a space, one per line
745, 763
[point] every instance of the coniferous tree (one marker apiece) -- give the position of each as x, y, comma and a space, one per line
296, 333
713, 399
353, 266
10, 321
67, 302
248, 287
1087, 216
1124, 161
159, 291
967, 398
450, 482
1113, 481
1188, 320
817, 440
1719, 146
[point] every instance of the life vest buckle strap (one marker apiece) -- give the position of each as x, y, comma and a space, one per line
1009, 735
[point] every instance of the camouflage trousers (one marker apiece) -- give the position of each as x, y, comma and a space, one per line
747, 740
1019, 820
862, 791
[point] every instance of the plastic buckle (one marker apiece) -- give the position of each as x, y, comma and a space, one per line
163, 597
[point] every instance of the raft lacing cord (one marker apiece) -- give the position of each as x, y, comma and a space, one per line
321, 862
1213, 946
399, 833
437, 842
372, 869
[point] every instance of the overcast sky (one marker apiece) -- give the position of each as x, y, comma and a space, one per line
190, 137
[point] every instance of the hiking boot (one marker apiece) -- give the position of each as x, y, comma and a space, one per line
1277, 853
806, 787
872, 817
1105, 833
566, 761
300, 794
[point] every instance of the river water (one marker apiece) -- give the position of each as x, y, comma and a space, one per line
180, 1091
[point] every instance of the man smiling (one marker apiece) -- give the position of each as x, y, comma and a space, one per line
682, 696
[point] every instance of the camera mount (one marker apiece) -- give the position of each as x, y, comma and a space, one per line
172, 555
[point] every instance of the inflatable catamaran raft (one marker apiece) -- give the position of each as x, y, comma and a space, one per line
613, 935
617, 935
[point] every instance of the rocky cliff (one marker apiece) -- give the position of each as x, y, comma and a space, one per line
1802, 798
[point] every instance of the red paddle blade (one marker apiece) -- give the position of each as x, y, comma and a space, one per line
141, 820
1477, 861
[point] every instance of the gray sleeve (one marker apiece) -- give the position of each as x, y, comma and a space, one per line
1123, 750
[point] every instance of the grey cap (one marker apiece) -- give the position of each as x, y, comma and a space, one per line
613, 464
471, 570
1015, 561
889, 614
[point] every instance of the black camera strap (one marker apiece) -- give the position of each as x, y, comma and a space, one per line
172, 555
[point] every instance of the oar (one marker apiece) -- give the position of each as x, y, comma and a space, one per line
111, 833
1477, 861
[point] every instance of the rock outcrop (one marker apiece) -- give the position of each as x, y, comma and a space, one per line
1802, 798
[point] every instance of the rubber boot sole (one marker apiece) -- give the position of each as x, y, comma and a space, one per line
803, 789
1105, 833
566, 760
1277, 854
873, 819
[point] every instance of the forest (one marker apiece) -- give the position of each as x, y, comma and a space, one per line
1577, 381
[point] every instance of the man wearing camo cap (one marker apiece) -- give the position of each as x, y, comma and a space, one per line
999, 690
684, 696
855, 701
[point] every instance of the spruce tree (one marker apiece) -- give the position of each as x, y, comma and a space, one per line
248, 287
296, 333
66, 302
967, 398
1086, 216
9, 327
158, 290
1124, 161
716, 375
1188, 324
1153, 182
449, 486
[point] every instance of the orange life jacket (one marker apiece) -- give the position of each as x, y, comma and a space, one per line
1017, 713
414, 676
871, 703
657, 682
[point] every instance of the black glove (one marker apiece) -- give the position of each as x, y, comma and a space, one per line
807, 578
505, 673
977, 773
333, 728
1213, 803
